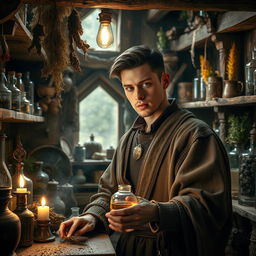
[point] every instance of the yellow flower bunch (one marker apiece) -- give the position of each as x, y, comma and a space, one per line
206, 69
232, 63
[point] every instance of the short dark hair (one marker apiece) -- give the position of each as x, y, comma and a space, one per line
137, 56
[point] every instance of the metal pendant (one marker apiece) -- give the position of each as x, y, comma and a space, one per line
137, 152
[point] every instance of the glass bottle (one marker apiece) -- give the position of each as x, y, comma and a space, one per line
19, 82
38, 109
25, 104
55, 201
29, 89
247, 173
250, 67
234, 156
40, 179
9, 222
5, 93
74, 212
16, 93
123, 198
197, 86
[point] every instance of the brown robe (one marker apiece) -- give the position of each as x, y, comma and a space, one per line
185, 165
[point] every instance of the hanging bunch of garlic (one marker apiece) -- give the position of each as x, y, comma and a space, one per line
232, 63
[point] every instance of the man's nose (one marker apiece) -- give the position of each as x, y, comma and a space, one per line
140, 95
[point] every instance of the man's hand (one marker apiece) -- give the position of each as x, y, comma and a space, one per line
134, 217
77, 226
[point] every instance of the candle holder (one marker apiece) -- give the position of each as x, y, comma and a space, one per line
26, 219
42, 232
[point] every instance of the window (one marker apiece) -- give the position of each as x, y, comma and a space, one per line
90, 24
99, 115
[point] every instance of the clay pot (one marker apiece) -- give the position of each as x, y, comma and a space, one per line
213, 88
44, 90
232, 89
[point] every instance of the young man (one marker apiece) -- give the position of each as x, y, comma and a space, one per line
174, 162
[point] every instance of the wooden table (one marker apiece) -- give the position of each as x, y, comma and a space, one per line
96, 245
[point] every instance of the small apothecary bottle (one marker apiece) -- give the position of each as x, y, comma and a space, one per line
123, 198
247, 173
25, 104
5, 93
16, 93
29, 89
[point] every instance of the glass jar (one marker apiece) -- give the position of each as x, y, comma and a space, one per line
16, 93
197, 86
5, 93
250, 67
234, 157
29, 89
38, 109
123, 198
247, 173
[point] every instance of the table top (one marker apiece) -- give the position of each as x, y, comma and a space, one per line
96, 245
248, 212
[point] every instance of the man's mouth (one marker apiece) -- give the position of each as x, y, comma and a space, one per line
142, 106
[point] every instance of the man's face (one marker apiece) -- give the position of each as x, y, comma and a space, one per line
144, 90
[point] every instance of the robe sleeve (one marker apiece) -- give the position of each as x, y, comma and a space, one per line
202, 186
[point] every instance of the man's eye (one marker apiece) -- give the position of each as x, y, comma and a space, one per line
146, 84
129, 89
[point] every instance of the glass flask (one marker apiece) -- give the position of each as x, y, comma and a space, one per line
16, 93
250, 67
247, 173
5, 93
25, 104
123, 198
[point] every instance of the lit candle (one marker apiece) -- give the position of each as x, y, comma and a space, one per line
43, 211
21, 189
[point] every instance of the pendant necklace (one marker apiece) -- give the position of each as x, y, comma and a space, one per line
137, 150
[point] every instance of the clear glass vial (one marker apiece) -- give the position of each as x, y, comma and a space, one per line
123, 198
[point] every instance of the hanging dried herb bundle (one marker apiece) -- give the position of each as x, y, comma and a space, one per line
206, 69
38, 34
55, 43
232, 64
75, 31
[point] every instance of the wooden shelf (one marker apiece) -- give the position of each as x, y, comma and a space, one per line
90, 162
236, 101
227, 22
7, 115
248, 212
20, 42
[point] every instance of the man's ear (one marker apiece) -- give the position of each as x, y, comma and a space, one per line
165, 80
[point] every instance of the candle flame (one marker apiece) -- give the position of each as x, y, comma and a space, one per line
43, 202
22, 182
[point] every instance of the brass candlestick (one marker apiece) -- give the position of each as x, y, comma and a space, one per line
26, 219
42, 232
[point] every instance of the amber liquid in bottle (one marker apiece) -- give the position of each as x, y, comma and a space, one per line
121, 205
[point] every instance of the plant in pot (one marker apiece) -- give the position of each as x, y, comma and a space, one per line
238, 130
232, 87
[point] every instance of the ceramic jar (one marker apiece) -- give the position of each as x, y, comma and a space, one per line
213, 88
232, 89
91, 147
79, 153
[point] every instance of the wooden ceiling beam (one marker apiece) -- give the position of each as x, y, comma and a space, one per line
207, 5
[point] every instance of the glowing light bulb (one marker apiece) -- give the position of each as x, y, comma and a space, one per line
105, 36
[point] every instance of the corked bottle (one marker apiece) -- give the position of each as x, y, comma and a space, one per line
16, 93
5, 93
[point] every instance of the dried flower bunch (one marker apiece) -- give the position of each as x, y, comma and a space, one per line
206, 69
58, 29
232, 63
